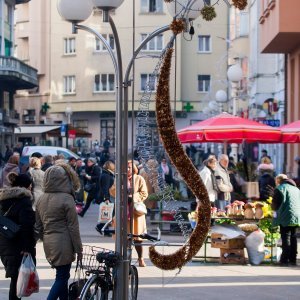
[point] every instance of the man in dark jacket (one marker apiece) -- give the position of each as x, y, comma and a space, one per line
286, 204
16, 202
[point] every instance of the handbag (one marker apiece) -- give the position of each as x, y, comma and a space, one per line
140, 209
8, 228
89, 186
76, 286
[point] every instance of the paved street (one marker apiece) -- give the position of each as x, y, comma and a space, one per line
197, 280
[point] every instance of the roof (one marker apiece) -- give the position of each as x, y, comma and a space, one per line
21, 130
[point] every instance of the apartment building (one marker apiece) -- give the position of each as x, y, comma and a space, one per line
14, 74
280, 33
76, 74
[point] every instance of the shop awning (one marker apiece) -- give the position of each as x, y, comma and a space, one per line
27, 130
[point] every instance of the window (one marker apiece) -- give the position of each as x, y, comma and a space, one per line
81, 143
204, 43
69, 46
156, 44
108, 129
203, 83
99, 46
148, 82
151, 6
69, 85
104, 83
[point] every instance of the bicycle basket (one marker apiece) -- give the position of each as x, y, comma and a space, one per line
89, 261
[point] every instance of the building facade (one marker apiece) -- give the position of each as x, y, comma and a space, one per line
280, 33
14, 74
76, 74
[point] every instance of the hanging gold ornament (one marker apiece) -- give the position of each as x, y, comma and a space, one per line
177, 26
208, 13
185, 167
240, 4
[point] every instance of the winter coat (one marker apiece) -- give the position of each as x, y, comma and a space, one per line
286, 203
9, 167
18, 200
140, 194
106, 181
93, 171
37, 176
56, 218
206, 174
266, 183
223, 183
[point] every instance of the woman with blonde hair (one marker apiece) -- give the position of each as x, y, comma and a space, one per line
137, 192
37, 176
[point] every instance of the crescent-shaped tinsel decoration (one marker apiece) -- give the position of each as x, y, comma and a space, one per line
185, 167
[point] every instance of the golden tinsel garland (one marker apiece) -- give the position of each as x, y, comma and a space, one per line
177, 26
185, 167
208, 13
240, 4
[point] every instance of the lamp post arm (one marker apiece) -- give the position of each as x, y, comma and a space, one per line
140, 47
103, 40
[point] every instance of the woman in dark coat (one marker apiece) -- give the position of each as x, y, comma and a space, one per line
17, 200
106, 180
92, 176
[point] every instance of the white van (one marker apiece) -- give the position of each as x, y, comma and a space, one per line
44, 150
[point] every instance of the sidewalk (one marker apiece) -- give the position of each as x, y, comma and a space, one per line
197, 280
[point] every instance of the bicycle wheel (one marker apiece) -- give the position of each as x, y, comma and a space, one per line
133, 283
93, 291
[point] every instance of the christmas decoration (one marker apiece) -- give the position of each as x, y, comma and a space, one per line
208, 13
177, 26
185, 167
240, 4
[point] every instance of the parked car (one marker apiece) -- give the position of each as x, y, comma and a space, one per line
44, 150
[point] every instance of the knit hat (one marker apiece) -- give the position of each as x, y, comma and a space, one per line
20, 180
92, 159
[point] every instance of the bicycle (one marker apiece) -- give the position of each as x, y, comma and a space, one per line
101, 264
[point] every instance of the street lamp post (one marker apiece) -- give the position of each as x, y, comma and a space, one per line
76, 11
68, 112
235, 75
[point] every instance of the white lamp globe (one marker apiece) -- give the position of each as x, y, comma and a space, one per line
262, 114
75, 10
221, 96
235, 73
206, 110
213, 105
187, 9
107, 4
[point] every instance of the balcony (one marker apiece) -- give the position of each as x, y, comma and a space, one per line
9, 117
17, 74
280, 26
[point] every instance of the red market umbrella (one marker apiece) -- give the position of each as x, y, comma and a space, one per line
226, 128
290, 133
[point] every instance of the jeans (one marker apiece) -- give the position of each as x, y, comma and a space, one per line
289, 244
220, 204
59, 289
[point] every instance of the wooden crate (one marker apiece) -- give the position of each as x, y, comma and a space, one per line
232, 256
217, 241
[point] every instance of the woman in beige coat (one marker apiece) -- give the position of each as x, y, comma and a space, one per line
138, 193
57, 224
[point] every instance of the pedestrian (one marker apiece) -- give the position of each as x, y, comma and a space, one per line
286, 204
137, 192
37, 176
8, 153
264, 153
92, 175
79, 169
72, 162
223, 182
57, 225
47, 162
208, 177
15, 201
106, 143
165, 170
11, 166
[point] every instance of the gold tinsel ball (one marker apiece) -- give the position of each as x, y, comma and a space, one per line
177, 26
240, 4
208, 13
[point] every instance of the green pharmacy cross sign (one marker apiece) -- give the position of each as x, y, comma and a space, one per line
45, 108
188, 107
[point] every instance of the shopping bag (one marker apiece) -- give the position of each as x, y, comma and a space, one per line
28, 279
78, 283
105, 212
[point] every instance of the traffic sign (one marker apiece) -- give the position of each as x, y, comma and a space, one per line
273, 123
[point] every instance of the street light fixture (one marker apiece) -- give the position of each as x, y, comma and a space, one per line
221, 97
235, 75
70, 11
